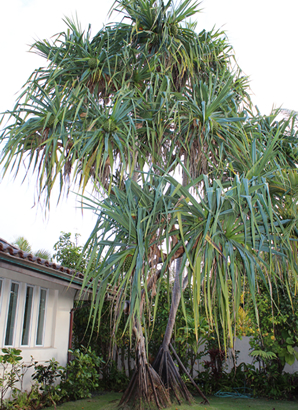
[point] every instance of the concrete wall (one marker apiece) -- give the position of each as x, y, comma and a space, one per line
57, 315
243, 349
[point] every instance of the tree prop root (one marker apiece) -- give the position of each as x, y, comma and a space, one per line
145, 388
189, 376
168, 372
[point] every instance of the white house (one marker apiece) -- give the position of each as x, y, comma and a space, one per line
36, 302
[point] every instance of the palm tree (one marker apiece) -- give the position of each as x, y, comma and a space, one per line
43, 254
23, 244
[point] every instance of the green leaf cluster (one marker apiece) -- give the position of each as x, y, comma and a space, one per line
274, 342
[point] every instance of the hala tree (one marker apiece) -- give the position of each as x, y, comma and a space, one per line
222, 240
126, 110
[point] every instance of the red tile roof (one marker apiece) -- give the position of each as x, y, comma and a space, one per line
18, 254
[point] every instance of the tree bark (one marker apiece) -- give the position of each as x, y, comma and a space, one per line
176, 297
163, 362
176, 294
145, 386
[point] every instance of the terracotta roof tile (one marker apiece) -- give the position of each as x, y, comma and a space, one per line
12, 250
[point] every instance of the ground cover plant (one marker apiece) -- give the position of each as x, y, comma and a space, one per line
128, 109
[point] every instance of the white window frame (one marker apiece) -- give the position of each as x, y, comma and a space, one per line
1, 293
44, 319
16, 315
31, 315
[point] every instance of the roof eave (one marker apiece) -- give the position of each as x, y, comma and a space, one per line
43, 270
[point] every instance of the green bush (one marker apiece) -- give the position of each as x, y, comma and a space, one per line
81, 376
247, 379
12, 371
54, 384
47, 377
26, 401
273, 343
114, 379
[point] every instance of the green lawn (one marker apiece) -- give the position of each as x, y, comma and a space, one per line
109, 401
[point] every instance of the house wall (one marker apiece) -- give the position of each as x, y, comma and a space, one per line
59, 301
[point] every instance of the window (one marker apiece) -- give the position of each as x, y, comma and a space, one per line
0, 293
27, 316
11, 318
41, 316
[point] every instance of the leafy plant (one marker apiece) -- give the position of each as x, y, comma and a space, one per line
274, 339
81, 376
12, 371
26, 400
23, 244
114, 378
264, 355
48, 376
54, 383
68, 253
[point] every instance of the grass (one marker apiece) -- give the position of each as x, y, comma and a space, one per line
109, 401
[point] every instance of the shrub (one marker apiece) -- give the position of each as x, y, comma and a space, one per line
81, 376
25, 401
12, 372
76, 381
47, 377
114, 378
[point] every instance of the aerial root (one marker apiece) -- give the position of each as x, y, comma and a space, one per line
145, 388
167, 370
190, 378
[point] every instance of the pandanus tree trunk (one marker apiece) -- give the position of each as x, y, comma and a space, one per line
154, 383
145, 386
164, 363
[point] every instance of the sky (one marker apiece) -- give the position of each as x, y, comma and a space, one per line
262, 32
